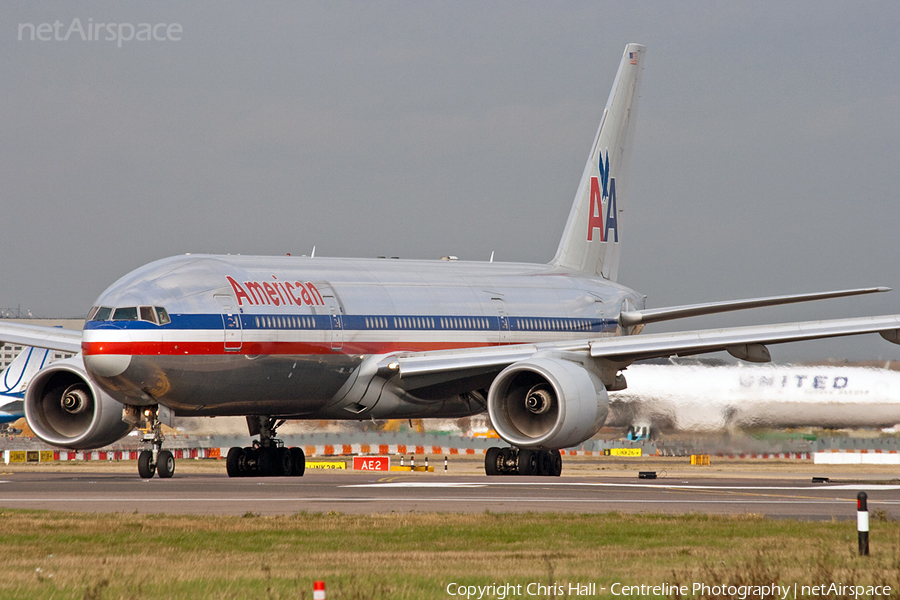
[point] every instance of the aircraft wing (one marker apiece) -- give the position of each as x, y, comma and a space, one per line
747, 343
39, 336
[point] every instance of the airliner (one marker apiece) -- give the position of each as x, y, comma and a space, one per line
538, 346
693, 395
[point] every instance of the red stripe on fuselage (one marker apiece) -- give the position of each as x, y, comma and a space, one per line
254, 348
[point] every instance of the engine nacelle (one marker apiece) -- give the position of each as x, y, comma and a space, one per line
66, 409
548, 403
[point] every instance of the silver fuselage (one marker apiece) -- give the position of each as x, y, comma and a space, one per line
284, 335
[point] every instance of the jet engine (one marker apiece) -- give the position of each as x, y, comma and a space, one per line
66, 409
547, 402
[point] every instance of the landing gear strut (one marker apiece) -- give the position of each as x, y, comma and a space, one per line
267, 456
156, 460
522, 461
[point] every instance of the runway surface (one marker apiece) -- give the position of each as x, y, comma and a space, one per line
353, 492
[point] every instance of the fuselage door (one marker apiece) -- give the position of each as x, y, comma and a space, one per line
502, 319
337, 324
231, 321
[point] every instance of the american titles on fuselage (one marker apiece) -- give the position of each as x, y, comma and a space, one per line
276, 293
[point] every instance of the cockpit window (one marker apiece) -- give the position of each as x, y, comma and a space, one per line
151, 314
163, 315
129, 313
102, 314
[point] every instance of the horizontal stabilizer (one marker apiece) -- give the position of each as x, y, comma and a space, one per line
642, 317
688, 343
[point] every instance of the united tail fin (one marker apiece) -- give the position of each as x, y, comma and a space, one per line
590, 241
14, 378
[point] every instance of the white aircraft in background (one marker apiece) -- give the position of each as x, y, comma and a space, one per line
538, 346
14, 379
697, 396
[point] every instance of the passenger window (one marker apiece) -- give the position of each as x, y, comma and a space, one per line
147, 314
102, 314
162, 316
129, 313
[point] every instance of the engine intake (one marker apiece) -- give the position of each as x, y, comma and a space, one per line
66, 409
547, 402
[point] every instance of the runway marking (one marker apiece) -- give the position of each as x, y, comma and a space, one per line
418, 484
45, 500
729, 492
453, 484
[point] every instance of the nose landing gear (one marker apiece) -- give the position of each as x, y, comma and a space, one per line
155, 460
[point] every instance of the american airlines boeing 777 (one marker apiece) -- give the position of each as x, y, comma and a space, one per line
274, 338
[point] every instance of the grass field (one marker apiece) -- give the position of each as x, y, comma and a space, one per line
416, 556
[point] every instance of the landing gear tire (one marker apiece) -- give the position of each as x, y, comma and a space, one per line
491, 461
544, 463
555, 463
145, 464
266, 461
299, 462
165, 464
284, 462
528, 462
234, 461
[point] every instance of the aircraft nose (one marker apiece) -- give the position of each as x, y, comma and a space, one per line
107, 365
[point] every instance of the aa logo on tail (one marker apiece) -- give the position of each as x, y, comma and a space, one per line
603, 200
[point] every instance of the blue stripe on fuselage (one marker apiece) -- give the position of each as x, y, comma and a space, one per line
372, 323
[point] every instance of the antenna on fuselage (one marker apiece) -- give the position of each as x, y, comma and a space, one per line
313, 255
492, 256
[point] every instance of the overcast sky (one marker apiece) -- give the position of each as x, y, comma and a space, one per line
766, 156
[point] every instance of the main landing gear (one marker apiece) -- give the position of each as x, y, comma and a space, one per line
522, 461
267, 457
156, 460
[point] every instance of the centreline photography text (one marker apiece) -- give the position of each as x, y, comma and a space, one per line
504, 591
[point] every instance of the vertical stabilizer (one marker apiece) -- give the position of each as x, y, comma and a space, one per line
590, 242
15, 378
